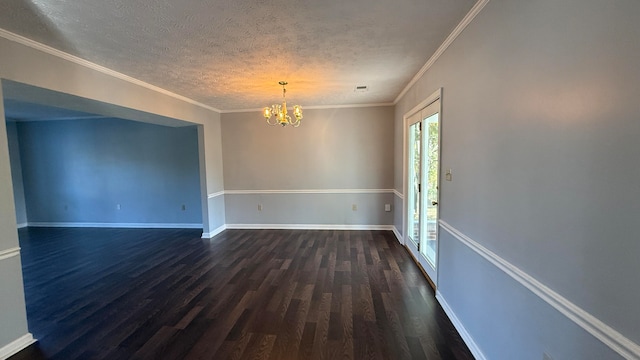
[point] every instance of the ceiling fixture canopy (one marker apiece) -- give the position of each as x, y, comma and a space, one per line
279, 112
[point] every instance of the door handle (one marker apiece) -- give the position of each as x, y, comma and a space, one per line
434, 203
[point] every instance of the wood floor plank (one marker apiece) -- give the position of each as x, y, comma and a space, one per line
305, 350
245, 294
322, 327
233, 349
259, 347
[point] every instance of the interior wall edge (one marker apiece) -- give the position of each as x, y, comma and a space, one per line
217, 215
209, 235
39, 76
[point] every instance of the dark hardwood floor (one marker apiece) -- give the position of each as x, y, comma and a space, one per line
245, 294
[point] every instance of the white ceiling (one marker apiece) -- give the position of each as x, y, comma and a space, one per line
230, 54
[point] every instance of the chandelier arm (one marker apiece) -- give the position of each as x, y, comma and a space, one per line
269, 122
280, 114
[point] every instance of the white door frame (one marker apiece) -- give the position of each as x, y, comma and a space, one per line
437, 95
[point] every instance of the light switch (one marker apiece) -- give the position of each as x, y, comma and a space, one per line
387, 207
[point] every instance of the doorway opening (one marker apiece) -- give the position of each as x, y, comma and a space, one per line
422, 174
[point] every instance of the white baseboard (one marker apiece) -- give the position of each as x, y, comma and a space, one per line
397, 234
15, 346
117, 225
594, 326
22, 225
206, 235
214, 232
309, 227
466, 337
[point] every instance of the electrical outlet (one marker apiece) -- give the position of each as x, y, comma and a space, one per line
184, 207
259, 207
387, 207
354, 207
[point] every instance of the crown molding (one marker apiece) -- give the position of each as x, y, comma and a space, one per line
475, 10
93, 66
314, 107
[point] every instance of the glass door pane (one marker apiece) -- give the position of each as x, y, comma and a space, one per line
422, 172
414, 196
429, 240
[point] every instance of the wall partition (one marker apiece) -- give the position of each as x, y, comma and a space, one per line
333, 171
537, 229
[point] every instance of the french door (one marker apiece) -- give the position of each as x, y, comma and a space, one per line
423, 164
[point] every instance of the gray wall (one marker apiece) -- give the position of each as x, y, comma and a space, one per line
13, 317
540, 126
78, 171
210, 149
398, 203
30, 66
399, 111
16, 173
347, 149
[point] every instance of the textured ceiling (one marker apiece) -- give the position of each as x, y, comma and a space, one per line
230, 54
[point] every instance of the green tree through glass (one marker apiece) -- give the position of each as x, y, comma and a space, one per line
432, 161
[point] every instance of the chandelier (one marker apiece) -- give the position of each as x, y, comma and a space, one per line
279, 112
